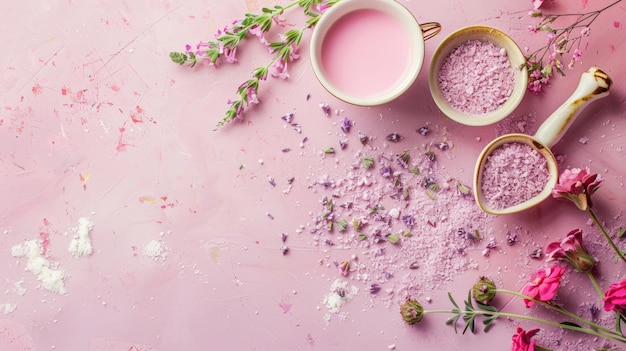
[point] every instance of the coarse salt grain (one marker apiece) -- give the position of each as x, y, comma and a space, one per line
476, 77
340, 293
156, 250
513, 173
424, 231
51, 278
8, 308
81, 242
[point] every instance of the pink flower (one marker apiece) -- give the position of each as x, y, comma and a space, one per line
577, 53
615, 297
323, 7
521, 340
585, 31
278, 69
260, 34
543, 284
577, 185
571, 250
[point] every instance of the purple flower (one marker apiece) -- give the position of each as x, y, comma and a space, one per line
385, 171
326, 108
409, 220
346, 124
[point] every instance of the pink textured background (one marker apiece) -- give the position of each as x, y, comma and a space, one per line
87, 89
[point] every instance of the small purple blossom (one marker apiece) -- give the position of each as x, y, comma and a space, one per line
346, 124
325, 108
409, 220
386, 171
287, 117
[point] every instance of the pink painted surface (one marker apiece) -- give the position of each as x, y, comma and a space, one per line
96, 122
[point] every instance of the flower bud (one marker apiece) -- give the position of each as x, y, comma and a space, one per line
412, 311
484, 291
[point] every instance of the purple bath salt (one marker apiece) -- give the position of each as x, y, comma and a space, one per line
476, 77
512, 174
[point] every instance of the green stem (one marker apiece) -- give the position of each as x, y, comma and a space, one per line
595, 284
562, 311
606, 235
612, 336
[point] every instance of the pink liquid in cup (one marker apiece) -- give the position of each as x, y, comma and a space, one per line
366, 53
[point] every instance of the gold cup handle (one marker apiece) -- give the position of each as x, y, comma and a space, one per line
430, 29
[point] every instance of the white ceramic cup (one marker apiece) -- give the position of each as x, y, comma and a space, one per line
413, 33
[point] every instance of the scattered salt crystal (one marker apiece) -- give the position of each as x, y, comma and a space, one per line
583, 140
339, 294
156, 250
394, 213
8, 308
81, 242
18, 287
51, 278
513, 173
476, 77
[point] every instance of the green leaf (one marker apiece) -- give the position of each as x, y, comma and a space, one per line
368, 162
329, 150
330, 205
462, 188
342, 225
362, 236
434, 187
415, 170
430, 195
178, 57
486, 307
393, 238
453, 321
621, 232
404, 156
452, 300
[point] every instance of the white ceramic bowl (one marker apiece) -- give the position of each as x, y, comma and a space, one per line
485, 34
416, 34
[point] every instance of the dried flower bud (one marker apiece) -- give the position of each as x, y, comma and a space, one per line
484, 291
412, 311
344, 268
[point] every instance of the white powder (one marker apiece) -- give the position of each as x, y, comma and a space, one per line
18, 287
51, 278
157, 250
339, 294
81, 242
8, 308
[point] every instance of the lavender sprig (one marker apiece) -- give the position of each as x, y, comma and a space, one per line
543, 62
224, 48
